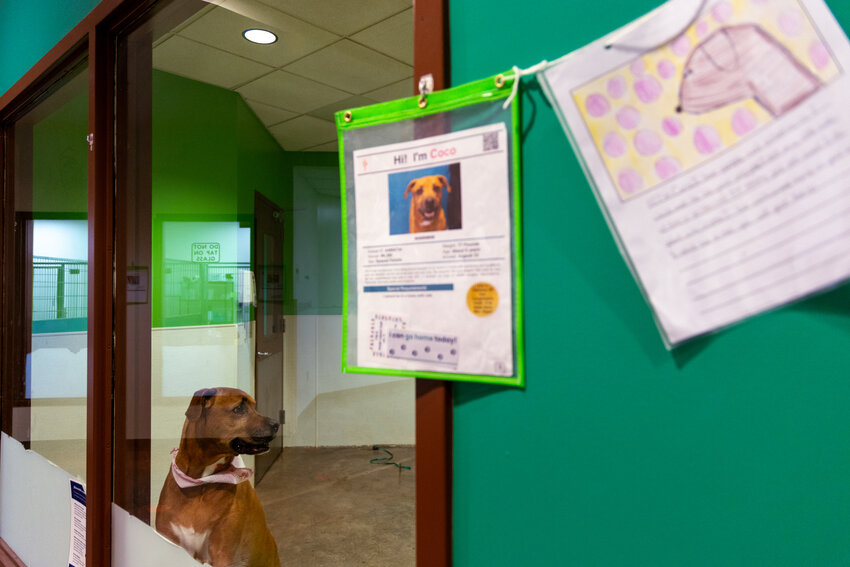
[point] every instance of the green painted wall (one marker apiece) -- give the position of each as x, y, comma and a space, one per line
60, 172
732, 451
29, 29
210, 154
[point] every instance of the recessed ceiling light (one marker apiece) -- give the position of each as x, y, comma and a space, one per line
263, 37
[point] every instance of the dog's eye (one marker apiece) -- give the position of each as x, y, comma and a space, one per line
239, 410
420, 191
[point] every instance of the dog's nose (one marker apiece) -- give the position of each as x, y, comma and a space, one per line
274, 426
679, 108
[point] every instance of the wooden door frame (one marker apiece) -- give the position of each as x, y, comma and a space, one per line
95, 35
257, 261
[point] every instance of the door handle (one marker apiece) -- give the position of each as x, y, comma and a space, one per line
263, 354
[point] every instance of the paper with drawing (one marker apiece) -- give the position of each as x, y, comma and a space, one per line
721, 158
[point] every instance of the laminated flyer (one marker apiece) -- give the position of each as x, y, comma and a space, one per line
434, 253
431, 209
77, 546
721, 157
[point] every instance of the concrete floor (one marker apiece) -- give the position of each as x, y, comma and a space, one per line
332, 507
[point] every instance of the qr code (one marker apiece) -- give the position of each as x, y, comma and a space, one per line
491, 141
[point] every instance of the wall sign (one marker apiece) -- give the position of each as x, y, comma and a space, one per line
431, 216
206, 252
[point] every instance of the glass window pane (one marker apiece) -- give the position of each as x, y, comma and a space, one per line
229, 308
46, 384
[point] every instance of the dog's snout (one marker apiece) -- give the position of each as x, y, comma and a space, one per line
274, 426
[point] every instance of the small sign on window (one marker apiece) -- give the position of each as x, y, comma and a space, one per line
206, 252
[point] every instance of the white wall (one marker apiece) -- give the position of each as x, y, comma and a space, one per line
327, 408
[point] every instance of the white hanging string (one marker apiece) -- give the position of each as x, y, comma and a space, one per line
518, 75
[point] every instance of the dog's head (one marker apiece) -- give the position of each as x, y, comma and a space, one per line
713, 75
427, 195
227, 420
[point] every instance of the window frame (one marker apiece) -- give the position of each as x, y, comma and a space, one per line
94, 38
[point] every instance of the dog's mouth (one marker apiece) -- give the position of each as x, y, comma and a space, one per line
244, 447
428, 214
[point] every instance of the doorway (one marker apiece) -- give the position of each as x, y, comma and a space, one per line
270, 324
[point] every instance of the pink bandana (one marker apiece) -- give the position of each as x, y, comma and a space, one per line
234, 474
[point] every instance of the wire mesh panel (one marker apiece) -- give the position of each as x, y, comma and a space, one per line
59, 289
201, 293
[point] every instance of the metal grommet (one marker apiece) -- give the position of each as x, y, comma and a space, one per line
347, 116
423, 101
500, 81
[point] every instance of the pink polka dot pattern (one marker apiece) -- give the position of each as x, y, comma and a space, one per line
647, 142
648, 89
666, 69
721, 12
630, 180
743, 121
616, 87
791, 23
628, 117
597, 105
706, 140
614, 145
672, 126
682, 46
667, 167
819, 55
702, 28
638, 68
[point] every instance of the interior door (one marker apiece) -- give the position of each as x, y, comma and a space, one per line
268, 268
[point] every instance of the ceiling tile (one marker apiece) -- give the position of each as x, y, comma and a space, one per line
193, 60
327, 112
270, 115
303, 132
328, 147
223, 29
344, 17
393, 36
291, 92
399, 89
351, 67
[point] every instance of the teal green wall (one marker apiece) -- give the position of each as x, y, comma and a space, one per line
731, 451
29, 29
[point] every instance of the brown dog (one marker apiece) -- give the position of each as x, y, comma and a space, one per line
206, 505
426, 208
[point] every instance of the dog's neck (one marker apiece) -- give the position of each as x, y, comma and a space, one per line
196, 460
229, 470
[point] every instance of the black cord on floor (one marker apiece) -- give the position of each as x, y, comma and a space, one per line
386, 460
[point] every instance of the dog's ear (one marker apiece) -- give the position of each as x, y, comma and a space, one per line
409, 188
445, 182
200, 402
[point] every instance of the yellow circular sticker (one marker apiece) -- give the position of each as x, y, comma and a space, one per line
482, 299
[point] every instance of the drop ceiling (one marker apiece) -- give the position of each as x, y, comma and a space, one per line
330, 55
